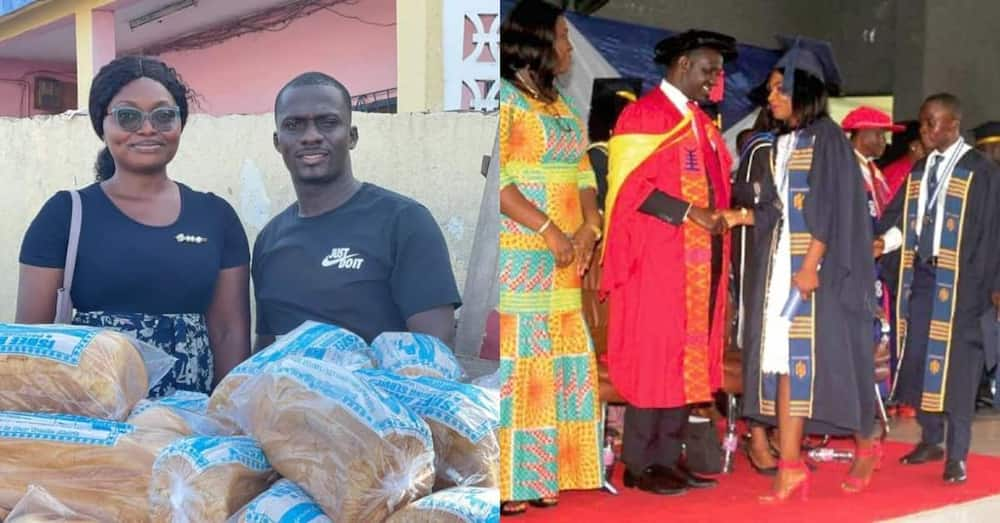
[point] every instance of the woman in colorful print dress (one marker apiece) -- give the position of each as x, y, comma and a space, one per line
550, 412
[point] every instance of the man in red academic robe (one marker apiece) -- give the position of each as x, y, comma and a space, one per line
666, 261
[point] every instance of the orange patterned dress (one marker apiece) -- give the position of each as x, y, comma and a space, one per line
550, 411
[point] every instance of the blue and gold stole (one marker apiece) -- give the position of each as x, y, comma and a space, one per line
801, 336
942, 316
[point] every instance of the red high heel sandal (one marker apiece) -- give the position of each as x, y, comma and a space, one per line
853, 484
801, 485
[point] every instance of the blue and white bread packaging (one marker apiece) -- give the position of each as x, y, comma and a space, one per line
416, 354
98, 468
360, 455
183, 412
311, 340
284, 502
454, 505
77, 370
464, 420
204, 479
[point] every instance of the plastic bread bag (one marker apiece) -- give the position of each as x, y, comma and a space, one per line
312, 340
76, 370
38, 506
95, 467
204, 478
489, 381
416, 354
284, 502
464, 420
182, 412
359, 455
455, 505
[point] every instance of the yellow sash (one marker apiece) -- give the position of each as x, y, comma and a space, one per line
626, 152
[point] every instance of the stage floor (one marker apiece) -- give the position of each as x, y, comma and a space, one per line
912, 494
986, 441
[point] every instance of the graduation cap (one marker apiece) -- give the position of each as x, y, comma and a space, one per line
606, 89
987, 132
673, 46
811, 56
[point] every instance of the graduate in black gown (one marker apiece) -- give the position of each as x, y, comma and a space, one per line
753, 186
812, 236
942, 230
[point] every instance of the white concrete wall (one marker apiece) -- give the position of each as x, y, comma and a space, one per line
433, 158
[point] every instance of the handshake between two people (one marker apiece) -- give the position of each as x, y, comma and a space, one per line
718, 221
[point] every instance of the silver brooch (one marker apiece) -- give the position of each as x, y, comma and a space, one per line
189, 238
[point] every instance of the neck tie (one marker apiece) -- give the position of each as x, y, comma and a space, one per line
925, 247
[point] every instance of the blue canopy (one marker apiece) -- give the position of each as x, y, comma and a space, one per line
629, 49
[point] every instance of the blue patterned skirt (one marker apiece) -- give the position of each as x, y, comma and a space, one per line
183, 336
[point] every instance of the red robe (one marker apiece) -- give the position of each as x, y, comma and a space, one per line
895, 174
661, 353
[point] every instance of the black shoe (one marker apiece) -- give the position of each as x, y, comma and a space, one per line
955, 472
690, 479
765, 471
923, 453
652, 480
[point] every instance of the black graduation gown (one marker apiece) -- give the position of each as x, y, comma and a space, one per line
836, 212
979, 276
598, 155
753, 188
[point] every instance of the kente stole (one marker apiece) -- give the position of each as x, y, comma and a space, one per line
801, 335
946, 279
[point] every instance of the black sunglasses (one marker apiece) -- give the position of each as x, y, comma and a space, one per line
130, 119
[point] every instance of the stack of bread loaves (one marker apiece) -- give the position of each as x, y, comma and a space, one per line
96, 467
312, 340
207, 479
75, 370
463, 419
360, 455
416, 354
63, 393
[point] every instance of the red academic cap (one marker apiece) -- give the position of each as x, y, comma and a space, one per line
869, 118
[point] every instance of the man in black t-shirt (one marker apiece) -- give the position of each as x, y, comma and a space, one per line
347, 253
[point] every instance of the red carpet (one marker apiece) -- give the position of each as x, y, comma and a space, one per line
896, 490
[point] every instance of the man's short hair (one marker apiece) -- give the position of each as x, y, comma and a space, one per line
313, 78
949, 101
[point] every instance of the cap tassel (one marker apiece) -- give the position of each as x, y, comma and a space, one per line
719, 89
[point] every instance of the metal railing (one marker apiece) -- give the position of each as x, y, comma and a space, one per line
383, 101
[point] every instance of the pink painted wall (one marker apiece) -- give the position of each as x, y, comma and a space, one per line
244, 74
17, 85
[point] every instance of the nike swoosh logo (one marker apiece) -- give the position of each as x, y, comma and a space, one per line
331, 259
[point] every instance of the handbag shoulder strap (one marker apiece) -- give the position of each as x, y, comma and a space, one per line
74, 240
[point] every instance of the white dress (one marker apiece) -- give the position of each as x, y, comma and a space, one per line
774, 359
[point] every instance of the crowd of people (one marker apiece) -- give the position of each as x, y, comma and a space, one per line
852, 283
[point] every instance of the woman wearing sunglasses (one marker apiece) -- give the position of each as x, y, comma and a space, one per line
156, 259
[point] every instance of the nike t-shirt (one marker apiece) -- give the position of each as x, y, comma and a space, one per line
367, 266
